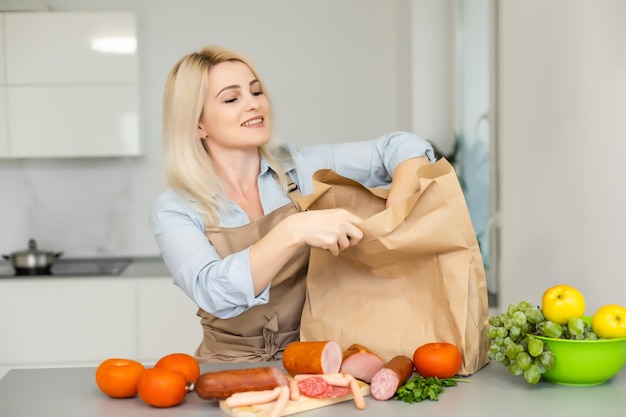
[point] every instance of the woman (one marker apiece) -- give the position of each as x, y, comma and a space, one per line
227, 227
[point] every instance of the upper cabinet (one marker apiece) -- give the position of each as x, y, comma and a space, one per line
2, 64
70, 84
4, 131
4, 142
70, 48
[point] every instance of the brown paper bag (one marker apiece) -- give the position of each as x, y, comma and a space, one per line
416, 277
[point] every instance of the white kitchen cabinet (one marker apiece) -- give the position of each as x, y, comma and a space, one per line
4, 128
72, 121
2, 63
166, 320
50, 321
82, 321
56, 47
64, 97
4, 141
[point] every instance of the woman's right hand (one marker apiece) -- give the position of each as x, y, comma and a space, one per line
331, 229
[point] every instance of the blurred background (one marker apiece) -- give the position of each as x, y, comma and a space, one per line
526, 97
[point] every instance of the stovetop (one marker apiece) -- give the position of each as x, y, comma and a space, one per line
75, 267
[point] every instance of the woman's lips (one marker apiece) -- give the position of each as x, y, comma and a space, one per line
253, 122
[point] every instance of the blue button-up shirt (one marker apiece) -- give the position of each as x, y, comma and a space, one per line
223, 286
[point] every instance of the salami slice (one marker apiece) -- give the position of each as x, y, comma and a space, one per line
313, 387
318, 387
336, 392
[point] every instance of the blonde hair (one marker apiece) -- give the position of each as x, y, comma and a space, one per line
188, 168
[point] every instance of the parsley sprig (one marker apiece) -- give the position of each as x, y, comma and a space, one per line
420, 388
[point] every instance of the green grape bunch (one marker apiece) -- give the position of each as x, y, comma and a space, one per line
512, 340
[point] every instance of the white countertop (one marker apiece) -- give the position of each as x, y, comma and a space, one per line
492, 392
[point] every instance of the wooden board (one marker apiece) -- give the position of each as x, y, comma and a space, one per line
293, 407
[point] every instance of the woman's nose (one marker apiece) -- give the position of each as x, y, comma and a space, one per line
252, 103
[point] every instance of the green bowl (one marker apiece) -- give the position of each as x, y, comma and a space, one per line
585, 362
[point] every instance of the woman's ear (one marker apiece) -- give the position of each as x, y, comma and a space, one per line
201, 133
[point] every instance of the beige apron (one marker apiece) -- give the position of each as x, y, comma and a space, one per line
262, 332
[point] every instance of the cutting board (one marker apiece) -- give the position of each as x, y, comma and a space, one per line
293, 407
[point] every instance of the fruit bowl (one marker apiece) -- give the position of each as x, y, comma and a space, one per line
585, 362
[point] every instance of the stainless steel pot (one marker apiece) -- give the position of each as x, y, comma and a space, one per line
32, 260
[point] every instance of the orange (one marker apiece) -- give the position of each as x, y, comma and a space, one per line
117, 377
561, 303
439, 359
181, 362
162, 387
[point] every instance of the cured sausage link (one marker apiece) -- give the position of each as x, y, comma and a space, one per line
280, 396
239, 399
359, 401
223, 384
392, 376
281, 402
322, 357
294, 391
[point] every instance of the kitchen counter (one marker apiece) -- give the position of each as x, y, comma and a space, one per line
135, 267
67, 392
146, 267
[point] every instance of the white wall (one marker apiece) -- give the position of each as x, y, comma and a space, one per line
335, 70
562, 138
433, 72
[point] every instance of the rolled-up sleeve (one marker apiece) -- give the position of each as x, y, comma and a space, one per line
221, 286
369, 162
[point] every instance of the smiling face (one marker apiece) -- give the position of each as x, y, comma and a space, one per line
236, 112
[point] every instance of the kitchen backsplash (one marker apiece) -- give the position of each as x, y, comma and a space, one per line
83, 207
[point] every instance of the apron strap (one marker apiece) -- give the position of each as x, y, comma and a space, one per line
293, 192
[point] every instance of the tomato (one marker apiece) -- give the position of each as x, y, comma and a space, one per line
181, 362
162, 387
561, 303
117, 377
439, 359
609, 321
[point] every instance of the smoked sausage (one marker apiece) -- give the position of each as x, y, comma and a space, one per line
392, 376
360, 362
322, 357
223, 384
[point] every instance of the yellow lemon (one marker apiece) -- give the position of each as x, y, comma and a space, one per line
562, 302
609, 321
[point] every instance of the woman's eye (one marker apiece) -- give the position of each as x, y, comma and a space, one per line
257, 93
230, 100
